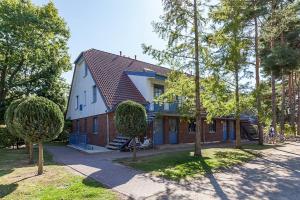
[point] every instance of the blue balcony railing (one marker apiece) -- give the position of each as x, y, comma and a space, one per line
163, 107
79, 139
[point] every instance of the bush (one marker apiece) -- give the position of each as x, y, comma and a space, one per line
8, 139
131, 120
64, 135
40, 120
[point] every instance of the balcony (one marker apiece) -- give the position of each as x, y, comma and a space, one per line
163, 107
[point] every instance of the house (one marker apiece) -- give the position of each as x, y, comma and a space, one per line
102, 80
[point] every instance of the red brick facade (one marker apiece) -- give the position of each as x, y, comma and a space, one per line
184, 136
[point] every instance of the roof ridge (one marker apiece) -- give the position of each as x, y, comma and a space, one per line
128, 58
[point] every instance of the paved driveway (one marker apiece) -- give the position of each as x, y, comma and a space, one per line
275, 176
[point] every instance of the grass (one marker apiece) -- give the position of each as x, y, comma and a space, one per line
18, 180
183, 165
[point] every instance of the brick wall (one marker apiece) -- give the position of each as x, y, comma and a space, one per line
186, 137
183, 135
98, 138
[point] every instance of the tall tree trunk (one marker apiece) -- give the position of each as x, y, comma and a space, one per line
30, 148
257, 78
298, 114
282, 116
292, 101
41, 159
237, 114
274, 105
197, 86
134, 150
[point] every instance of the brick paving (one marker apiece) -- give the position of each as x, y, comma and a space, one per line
274, 176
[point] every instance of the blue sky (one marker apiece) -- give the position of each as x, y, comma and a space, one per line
110, 25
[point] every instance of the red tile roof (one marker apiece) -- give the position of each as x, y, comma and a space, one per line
108, 72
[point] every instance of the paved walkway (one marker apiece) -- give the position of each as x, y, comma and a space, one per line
275, 176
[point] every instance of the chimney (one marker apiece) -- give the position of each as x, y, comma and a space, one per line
134, 57
120, 53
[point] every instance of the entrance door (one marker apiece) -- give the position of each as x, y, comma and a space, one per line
231, 130
158, 137
173, 131
224, 131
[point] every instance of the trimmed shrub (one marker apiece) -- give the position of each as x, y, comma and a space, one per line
131, 120
40, 120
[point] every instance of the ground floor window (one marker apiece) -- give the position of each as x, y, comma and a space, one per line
77, 126
192, 125
95, 125
212, 127
85, 125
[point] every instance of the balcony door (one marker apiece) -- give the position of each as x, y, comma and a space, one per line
158, 134
158, 90
173, 131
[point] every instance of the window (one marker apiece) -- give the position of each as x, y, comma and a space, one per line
212, 127
158, 90
85, 70
84, 98
77, 125
94, 93
192, 126
95, 125
77, 102
85, 125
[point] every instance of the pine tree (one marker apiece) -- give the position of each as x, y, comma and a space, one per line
233, 45
180, 26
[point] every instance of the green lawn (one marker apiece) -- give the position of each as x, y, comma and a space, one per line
183, 165
18, 180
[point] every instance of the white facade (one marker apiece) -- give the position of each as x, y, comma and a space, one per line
145, 85
82, 87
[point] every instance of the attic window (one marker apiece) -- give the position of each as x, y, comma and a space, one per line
148, 70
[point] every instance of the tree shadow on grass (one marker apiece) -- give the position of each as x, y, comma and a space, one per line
92, 183
5, 171
7, 189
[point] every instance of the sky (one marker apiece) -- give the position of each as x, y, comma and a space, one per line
109, 25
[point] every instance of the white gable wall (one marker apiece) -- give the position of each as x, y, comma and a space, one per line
82, 84
145, 85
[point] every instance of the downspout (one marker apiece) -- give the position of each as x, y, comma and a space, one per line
107, 128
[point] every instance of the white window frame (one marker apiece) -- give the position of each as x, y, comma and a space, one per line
95, 125
77, 102
94, 94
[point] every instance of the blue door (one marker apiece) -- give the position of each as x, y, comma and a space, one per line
173, 131
231, 130
158, 134
225, 131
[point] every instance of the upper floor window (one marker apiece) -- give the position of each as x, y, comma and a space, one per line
85, 70
192, 126
84, 93
212, 127
77, 102
158, 90
94, 93
95, 125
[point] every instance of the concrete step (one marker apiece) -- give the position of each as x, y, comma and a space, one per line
122, 138
116, 143
112, 147
119, 141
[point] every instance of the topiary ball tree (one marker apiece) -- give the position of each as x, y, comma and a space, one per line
40, 120
12, 127
131, 120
